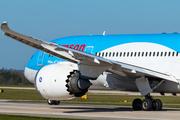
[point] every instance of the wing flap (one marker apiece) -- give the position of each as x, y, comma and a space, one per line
144, 71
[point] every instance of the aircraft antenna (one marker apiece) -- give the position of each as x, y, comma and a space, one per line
104, 33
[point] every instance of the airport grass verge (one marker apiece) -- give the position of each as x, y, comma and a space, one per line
27, 86
19, 95
19, 117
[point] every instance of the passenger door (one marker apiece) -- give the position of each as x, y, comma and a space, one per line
40, 59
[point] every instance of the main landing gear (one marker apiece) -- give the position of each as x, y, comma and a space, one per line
53, 102
147, 104
145, 88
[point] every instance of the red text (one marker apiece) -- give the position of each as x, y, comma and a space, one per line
76, 47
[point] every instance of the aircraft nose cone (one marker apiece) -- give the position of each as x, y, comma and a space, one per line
30, 74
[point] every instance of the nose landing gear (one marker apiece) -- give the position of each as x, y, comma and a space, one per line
53, 102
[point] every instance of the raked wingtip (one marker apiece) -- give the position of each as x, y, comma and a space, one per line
5, 22
4, 26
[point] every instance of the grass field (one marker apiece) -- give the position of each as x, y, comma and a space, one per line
18, 117
17, 86
93, 98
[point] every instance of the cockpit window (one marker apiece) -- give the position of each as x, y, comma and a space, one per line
32, 56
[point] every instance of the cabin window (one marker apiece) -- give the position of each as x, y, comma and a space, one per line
120, 54
150, 54
99, 54
173, 54
96, 54
49, 55
127, 54
161, 53
103, 54
110, 54
165, 53
106, 54
176, 53
169, 54
154, 53
139, 54
113, 54
124, 54
146, 53
131, 54
117, 54
142, 54
135, 54
157, 53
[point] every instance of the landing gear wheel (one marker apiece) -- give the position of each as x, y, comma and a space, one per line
146, 105
157, 105
137, 104
53, 102
56, 102
50, 102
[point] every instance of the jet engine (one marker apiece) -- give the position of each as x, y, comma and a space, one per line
60, 82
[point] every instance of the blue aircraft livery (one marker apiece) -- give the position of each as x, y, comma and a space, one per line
66, 68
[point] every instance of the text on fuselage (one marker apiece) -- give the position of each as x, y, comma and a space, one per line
76, 47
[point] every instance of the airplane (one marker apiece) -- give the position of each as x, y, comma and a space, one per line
65, 68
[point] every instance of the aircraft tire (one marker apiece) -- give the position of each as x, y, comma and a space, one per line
50, 102
157, 105
56, 102
137, 104
53, 102
147, 105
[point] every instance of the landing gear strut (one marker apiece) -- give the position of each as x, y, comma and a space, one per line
53, 102
145, 88
147, 104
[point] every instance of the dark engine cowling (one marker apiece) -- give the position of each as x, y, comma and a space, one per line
60, 82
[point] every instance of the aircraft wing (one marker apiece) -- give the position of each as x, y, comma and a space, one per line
81, 57
33, 42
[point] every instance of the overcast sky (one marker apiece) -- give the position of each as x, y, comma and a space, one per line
51, 19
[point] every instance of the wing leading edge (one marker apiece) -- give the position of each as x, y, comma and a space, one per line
90, 61
35, 43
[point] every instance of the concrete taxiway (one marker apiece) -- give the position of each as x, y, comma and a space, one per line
86, 111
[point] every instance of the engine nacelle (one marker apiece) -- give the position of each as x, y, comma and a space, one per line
60, 82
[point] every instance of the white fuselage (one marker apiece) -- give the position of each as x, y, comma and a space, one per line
146, 55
